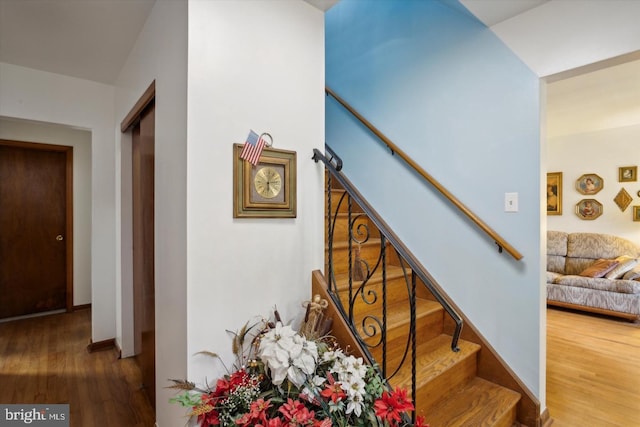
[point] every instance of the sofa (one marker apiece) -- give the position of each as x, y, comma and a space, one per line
594, 272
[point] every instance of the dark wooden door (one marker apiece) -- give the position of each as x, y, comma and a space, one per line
33, 229
143, 247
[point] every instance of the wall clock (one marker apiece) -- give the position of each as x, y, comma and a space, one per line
267, 190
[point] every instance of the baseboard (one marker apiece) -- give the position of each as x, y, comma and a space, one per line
545, 418
81, 307
101, 345
118, 349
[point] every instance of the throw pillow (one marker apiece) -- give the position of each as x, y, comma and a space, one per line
599, 268
625, 263
632, 274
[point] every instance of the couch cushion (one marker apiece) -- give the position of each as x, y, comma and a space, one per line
596, 245
556, 251
620, 286
552, 276
557, 243
599, 268
556, 263
632, 274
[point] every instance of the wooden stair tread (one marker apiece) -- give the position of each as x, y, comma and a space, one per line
434, 357
478, 403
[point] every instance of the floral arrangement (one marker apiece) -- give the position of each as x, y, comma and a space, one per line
288, 378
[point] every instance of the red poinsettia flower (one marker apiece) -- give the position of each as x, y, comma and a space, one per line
295, 413
333, 391
257, 414
222, 387
391, 405
324, 423
211, 417
273, 422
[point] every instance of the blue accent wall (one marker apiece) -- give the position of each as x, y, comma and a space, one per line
448, 92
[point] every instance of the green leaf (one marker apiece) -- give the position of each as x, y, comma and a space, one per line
186, 399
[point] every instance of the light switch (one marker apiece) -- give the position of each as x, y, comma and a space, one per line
511, 202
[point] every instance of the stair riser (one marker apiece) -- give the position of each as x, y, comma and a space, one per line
342, 207
427, 327
396, 292
429, 395
368, 252
507, 419
361, 228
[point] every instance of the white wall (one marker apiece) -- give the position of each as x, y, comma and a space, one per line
602, 153
252, 65
159, 54
46, 97
80, 140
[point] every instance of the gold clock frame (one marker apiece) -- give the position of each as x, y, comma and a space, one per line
246, 202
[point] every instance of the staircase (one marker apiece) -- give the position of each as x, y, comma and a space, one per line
448, 390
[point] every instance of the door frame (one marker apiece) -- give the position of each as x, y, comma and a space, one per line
68, 151
127, 126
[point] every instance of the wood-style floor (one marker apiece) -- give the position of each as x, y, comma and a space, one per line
593, 370
45, 360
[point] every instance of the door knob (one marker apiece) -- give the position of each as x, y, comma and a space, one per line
59, 237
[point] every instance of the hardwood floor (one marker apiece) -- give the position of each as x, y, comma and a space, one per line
593, 370
45, 360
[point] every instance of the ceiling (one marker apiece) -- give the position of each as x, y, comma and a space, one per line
91, 39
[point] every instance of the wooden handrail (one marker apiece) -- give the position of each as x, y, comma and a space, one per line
502, 243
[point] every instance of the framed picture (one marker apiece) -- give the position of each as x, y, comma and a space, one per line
628, 174
589, 183
267, 190
554, 193
588, 209
636, 213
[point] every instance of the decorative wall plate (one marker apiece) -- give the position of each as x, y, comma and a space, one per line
589, 183
588, 209
622, 199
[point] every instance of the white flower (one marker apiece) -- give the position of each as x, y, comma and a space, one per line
288, 355
357, 367
355, 388
330, 356
278, 336
355, 405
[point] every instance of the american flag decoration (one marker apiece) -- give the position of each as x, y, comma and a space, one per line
253, 148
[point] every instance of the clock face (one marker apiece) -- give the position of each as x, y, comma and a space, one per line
268, 182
